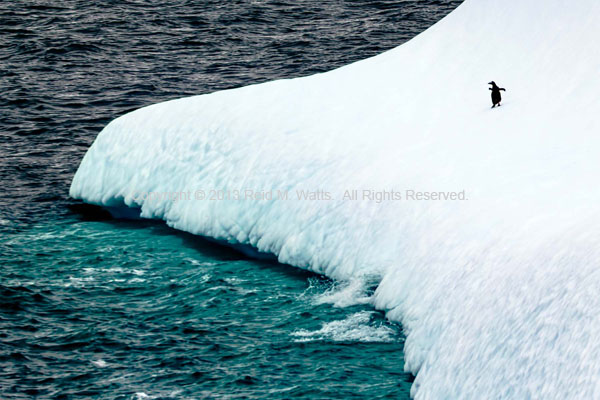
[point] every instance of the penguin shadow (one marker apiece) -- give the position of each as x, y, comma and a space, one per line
497, 107
489, 108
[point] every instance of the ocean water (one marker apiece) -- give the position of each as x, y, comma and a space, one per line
92, 307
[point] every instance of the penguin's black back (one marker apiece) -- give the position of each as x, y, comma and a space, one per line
496, 97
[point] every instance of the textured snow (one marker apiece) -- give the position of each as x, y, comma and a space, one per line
498, 294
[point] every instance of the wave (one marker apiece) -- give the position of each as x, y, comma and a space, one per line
357, 327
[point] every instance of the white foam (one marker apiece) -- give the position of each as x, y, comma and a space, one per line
198, 263
145, 396
345, 293
100, 363
357, 327
79, 282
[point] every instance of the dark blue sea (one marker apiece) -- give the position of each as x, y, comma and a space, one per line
93, 307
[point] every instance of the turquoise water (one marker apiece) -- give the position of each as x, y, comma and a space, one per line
130, 309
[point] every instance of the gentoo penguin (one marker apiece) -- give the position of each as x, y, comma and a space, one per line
496, 98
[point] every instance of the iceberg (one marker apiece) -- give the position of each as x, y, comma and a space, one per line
356, 174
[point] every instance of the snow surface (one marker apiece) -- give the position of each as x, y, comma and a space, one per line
499, 295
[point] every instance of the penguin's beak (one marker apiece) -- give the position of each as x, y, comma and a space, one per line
490, 83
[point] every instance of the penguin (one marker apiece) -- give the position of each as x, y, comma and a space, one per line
496, 97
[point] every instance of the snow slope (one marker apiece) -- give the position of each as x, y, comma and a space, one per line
498, 294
